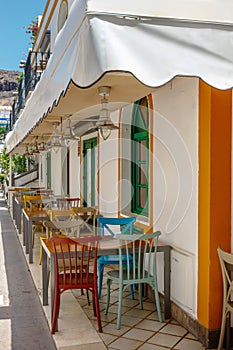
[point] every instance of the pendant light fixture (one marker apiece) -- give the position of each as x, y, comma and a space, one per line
41, 146
26, 153
55, 142
104, 125
69, 134
35, 149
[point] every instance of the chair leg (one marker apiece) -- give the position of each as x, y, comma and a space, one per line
140, 295
40, 259
119, 306
108, 296
155, 287
100, 278
223, 327
56, 307
88, 299
93, 303
132, 286
132, 291
97, 308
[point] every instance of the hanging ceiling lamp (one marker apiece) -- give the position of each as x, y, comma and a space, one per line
104, 124
26, 153
69, 134
35, 149
41, 146
30, 150
55, 142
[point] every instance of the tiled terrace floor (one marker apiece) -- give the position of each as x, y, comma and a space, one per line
140, 328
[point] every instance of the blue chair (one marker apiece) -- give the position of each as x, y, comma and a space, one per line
126, 227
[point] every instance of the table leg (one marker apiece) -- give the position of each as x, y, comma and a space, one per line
13, 206
24, 230
44, 277
167, 282
52, 286
30, 250
228, 330
19, 218
26, 237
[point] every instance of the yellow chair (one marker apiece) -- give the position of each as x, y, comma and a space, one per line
51, 231
36, 202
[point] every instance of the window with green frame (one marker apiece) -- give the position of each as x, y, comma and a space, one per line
140, 157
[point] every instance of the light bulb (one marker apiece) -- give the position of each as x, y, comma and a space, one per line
105, 131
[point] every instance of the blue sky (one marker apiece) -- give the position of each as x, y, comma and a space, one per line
13, 39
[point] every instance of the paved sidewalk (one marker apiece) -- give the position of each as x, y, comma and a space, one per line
23, 325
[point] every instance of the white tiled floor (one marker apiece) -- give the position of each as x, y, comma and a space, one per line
140, 328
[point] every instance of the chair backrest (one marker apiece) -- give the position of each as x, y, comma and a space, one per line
77, 259
61, 215
44, 192
22, 193
111, 225
226, 263
87, 218
67, 203
32, 202
137, 256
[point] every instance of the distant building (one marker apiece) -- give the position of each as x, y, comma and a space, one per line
4, 115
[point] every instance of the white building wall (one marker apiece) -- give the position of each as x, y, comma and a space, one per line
74, 170
42, 171
175, 172
108, 171
56, 173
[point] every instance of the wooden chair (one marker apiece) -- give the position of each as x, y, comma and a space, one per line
65, 221
51, 230
226, 263
137, 265
79, 271
61, 215
76, 222
67, 203
44, 192
28, 192
34, 202
110, 226
87, 217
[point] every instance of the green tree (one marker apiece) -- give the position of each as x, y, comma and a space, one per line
2, 130
18, 164
5, 165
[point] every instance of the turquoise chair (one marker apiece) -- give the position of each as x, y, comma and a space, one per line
125, 226
137, 265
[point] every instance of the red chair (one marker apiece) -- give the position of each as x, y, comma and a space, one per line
77, 259
68, 203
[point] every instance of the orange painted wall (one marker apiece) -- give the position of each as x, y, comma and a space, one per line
214, 205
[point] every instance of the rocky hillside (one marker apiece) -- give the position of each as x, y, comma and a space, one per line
8, 86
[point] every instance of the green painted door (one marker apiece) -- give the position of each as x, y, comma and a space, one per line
90, 172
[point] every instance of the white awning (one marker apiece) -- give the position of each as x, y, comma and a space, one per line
133, 50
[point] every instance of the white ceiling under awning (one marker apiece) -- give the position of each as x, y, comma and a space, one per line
130, 49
